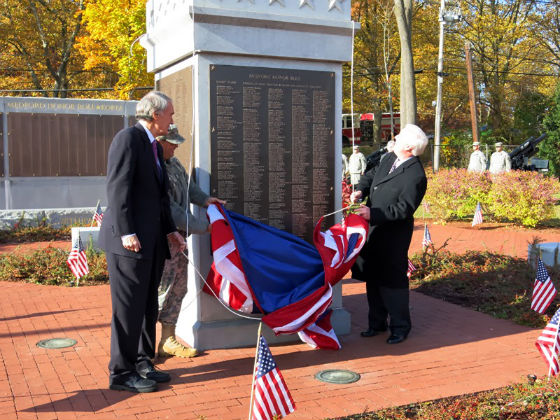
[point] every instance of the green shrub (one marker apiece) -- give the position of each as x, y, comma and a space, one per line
453, 193
525, 198
48, 266
521, 197
33, 232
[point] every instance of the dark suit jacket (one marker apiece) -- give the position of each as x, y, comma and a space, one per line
393, 199
137, 199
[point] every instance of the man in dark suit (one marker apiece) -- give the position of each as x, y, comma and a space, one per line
135, 232
394, 190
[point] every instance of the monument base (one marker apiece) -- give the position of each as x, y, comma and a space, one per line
88, 236
242, 332
549, 252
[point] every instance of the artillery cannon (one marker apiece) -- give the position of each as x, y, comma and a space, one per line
519, 155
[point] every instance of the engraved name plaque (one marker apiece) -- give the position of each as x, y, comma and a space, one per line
272, 140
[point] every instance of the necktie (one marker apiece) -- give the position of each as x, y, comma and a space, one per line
154, 149
395, 163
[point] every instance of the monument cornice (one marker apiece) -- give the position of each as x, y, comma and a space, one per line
272, 21
287, 29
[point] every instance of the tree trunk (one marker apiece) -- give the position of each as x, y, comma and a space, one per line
403, 15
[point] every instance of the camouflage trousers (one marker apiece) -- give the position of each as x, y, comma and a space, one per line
172, 288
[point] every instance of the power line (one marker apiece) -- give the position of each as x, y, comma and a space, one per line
511, 72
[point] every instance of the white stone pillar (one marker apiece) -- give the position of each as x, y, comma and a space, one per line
188, 37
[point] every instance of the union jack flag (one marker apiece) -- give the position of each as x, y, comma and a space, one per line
477, 219
548, 344
98, 215
410, 269
271, 395
258, 268
77, 260
427, 239
543, 289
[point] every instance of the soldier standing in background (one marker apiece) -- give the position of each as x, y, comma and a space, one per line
173, 286
477, 162
344, 166
499, 161
356, 165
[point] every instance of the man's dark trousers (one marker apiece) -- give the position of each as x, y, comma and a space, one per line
133, 331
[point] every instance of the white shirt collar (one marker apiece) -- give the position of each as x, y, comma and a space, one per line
150, 135
400, 162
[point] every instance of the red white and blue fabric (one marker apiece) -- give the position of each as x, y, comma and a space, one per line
271, 396
544, 291
427, 239
261, 269
477, 219
98, 215
77, 259
548, 344
410, 268
321, 334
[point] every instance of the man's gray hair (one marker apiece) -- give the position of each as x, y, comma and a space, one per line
151, 103
412, 135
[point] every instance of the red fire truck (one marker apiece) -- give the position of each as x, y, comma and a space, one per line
363, 127
347, 129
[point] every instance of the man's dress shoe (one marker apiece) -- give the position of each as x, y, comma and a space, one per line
133, 382
371, 332
148, 371
396, 338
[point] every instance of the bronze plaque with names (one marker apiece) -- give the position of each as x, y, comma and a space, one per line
272, 142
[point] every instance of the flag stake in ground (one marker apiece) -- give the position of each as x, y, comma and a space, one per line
254, 368
270, 396
544, 291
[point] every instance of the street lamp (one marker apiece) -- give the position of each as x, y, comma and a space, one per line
451, 15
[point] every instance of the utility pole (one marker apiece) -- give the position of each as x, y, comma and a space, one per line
454, 15
437, 134
468, 59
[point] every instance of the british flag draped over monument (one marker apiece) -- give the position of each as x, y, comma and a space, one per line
261, 269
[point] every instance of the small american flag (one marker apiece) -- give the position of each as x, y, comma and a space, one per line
272, 398
426, 206
548, 344
77, 260
98, 215
427, 239
477, 219
543, 289
410, 269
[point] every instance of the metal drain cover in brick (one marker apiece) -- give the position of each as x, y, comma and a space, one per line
337, 376
56, 343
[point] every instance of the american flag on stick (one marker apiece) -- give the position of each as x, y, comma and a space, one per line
544, 291
427, 239
548, 344
477, 219
270, 396
98, 215
410, 269
77, 260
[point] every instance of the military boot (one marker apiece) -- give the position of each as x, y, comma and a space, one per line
169, 346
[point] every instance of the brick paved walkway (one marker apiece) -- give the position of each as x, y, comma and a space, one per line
450, 351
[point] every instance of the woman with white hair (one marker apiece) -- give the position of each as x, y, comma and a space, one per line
394, 191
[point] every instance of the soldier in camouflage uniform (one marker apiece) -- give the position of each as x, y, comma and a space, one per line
173, 286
